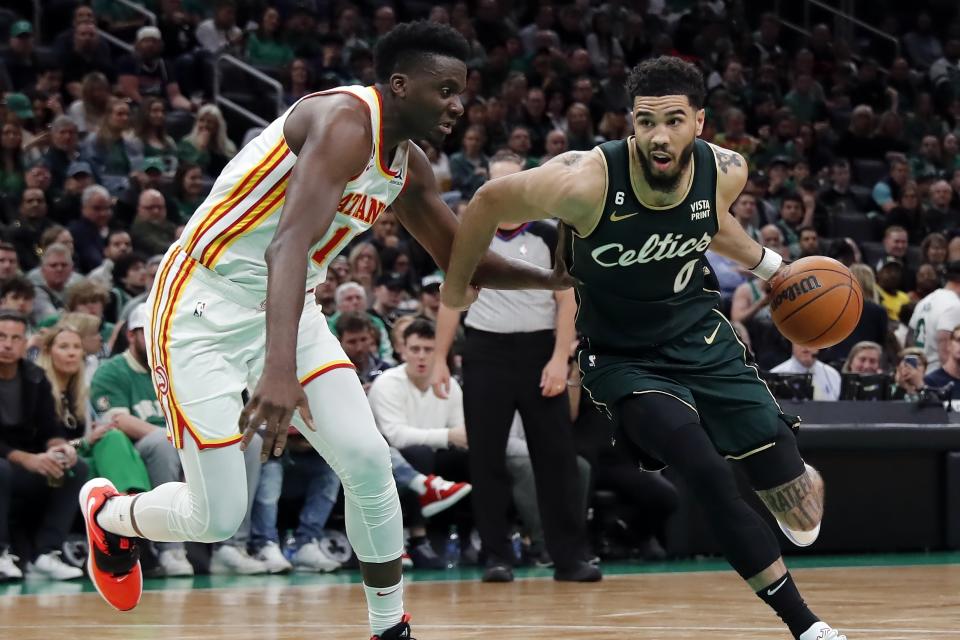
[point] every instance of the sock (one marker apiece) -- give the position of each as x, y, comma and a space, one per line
384, 606
419, 484
783, 597
114, 516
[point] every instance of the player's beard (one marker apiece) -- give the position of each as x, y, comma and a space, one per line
665, 183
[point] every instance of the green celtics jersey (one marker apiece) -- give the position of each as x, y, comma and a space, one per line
643, 278
121, 384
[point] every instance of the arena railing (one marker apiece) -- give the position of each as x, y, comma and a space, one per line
843, 20
146, 13
222, 100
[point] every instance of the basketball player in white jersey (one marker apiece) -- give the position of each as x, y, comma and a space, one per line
232, 308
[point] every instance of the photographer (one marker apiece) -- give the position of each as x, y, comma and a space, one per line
908, 381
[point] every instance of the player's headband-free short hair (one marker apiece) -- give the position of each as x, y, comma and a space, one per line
406, 45
667, 76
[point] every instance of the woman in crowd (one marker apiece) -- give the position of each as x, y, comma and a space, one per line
207, 145
153, 136
933, 251
90, 110
114, 155
365, 266
300, 81
469, 166
265, 46
865, 358
188, 190
580, 136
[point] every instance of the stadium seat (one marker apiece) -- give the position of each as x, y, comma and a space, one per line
873, 252
853, 225
179, 123
869, 172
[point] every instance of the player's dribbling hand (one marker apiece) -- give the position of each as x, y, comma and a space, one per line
458, 300
272, 405
777, 278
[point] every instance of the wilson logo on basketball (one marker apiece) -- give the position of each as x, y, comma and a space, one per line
161, 375
794, 291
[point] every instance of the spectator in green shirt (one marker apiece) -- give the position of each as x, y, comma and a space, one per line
265, 46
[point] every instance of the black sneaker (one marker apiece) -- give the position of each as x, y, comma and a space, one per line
400, 631
580, 572
497, 572
423, 555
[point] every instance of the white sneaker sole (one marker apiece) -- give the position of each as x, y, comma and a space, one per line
434, 508
800, 538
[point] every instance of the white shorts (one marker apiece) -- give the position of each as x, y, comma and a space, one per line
206, 342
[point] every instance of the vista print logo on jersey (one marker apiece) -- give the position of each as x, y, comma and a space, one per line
700, 210
656, 248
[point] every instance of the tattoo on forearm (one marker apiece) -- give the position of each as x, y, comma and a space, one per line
726, 158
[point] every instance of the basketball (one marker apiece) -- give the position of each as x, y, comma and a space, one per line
818, 303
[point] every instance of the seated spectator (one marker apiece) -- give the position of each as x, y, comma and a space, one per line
37, 466
114, 155
92, 106
468, 167
430, 297
864, 358
88, 326
123, 395
908, 378
354, 330
64, 150
151, 232
350, 297
792, 218
892, 297
20, 58
153, 136
299, 81
387, 296
9, 262
207, 145
933, 251
826, 379
265, 46
118, 244
949, 373
220, 34
129, 281
579, 129
25, 231
68, 205
887, 192
365, 266
17, 294
555, 144
90, 231
429, 431
145, 74
874, 322
895, 244
927, 163
150, 272
51, 281
12, 164
188, 190
809, 242
837, 197
734, 135
928, 281
85, 53
940, 215
910, 214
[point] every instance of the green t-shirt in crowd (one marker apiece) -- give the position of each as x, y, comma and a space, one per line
123, 385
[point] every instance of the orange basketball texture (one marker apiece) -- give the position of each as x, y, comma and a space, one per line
818, 304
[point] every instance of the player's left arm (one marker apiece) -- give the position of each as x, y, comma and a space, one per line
425, 215
731, 241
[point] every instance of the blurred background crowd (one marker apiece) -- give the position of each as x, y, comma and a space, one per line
117, 116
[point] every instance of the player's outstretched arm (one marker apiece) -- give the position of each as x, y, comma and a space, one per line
568, 187
731, 240
331, 140
424, 214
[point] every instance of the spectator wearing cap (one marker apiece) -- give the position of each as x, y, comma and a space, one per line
86, 53
516, 357
151, 232
145, 73
63, 150
118, 245
11, 157
150, 177
67, 206
20, 58
123, 394
220, 34
9, 262
430, 296
37, 465
25, 231
51, 281
351, 297
90, 231
387, 296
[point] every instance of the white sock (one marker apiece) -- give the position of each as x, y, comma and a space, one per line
115, 516
384, 606
419, 484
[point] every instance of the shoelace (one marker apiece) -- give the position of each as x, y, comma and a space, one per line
9, 556
439, 484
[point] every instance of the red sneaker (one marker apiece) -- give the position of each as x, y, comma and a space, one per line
400, 631
113, 563
442, 494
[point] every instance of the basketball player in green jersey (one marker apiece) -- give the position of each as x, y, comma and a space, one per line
656, 351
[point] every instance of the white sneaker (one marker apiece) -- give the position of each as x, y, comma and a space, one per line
51, 566
801, 538
8, 566
173, 562
271, 556
229, 560
822, 631
310, 557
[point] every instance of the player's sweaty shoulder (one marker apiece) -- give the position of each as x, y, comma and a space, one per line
324, 114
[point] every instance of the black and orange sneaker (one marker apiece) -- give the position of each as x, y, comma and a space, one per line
399, 631
113, 563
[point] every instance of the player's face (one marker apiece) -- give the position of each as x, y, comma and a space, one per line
432, 97
665, 128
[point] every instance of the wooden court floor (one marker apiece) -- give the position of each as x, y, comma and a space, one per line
879, 603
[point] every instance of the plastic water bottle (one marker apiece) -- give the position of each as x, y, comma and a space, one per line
289, 545
451, 552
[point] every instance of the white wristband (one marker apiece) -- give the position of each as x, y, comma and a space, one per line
768, 265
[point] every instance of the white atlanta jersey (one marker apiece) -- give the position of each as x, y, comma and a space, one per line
231, 230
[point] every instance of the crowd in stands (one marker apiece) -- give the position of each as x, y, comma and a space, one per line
106, 152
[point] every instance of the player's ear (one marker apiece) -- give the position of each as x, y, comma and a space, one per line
399, 84
701, 116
